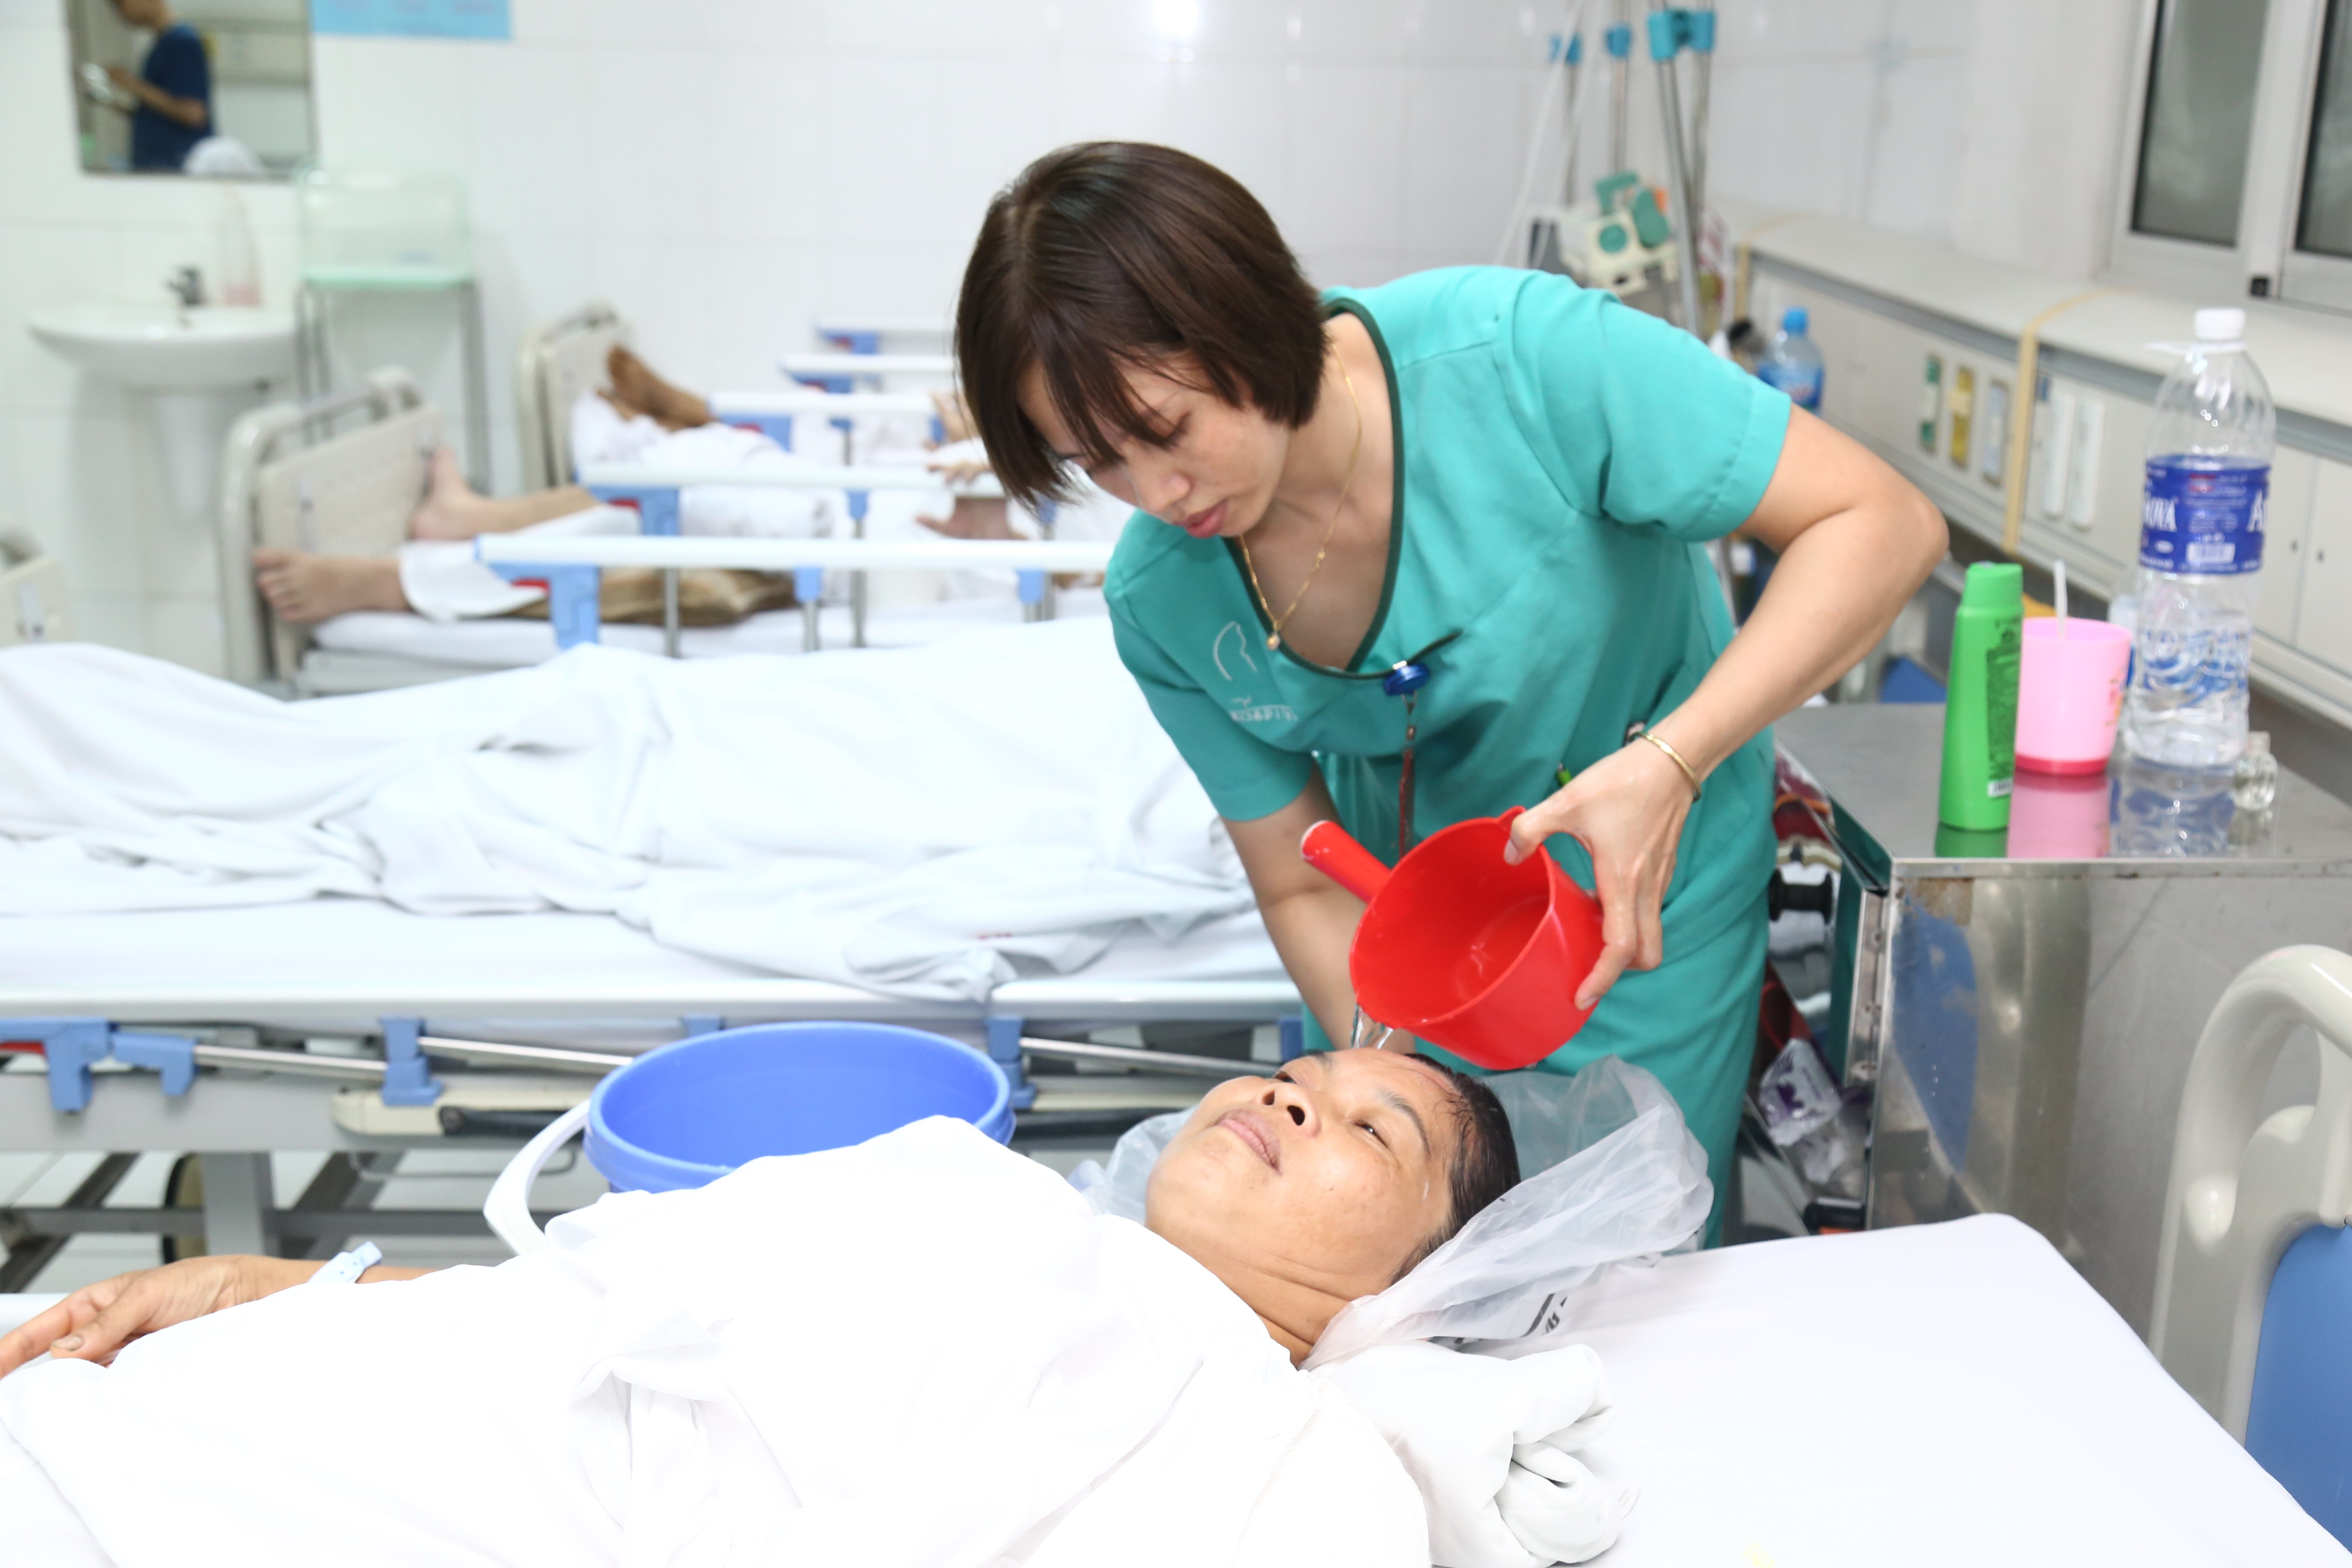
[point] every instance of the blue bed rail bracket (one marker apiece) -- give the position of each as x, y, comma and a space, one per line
407, 1077
700, 1024
575, 595
1005, 1050
74, 1045
656, 505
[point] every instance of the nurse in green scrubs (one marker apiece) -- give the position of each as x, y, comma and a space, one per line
1488, 475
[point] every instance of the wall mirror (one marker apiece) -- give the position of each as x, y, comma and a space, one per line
218, 88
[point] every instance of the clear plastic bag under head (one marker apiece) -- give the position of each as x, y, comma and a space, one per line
1609, 1173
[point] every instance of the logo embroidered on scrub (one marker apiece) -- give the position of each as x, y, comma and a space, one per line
1241, 709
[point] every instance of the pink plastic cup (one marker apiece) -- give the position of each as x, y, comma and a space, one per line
2070, 689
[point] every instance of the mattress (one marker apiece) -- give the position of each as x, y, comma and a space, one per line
339, 963
1950, 1393
502, 642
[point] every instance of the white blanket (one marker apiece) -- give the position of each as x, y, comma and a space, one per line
926, 1350
924, 821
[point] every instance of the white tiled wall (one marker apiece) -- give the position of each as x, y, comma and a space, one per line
721, 170
1989, 123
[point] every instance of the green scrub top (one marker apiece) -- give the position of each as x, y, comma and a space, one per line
1560, 458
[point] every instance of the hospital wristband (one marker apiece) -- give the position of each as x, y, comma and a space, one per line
345, 1267
1689, 773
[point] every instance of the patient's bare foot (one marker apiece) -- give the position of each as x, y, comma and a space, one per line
452, 509
636, 389
302, 588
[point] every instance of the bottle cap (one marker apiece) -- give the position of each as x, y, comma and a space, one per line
2226, 324
1996, 586
1796, 319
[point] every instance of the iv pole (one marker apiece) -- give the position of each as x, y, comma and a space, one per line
1669, 28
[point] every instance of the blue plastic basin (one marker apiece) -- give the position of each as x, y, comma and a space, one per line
690, 1112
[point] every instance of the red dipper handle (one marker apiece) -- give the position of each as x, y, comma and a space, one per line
1329, 850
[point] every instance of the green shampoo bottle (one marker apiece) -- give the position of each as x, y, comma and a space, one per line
1980, 707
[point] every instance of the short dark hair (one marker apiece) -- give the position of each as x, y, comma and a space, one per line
1103, 256
1486, 1158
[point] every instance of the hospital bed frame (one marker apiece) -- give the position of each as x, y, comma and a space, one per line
232, 1070
339, 474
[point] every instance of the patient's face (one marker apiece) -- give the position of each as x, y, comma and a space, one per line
1316, 1185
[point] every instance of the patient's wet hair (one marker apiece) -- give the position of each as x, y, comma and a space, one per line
1107, 256
1486, 1158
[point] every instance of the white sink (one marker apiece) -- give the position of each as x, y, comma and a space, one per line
165, 348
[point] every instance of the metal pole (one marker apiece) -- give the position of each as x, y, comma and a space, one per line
1665, 45
1621, 83
236, 1199
670, 612
858, 594
1702, 80
478, 388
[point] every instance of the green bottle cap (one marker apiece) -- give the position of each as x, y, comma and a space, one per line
1998, 586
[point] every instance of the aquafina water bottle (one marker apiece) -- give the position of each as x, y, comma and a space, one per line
2200, 550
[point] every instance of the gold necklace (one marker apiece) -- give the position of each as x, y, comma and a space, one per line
1275, 623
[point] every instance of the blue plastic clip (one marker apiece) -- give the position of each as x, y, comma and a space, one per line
1005, 1050
856, 343
832, 383
1620, 39
1675, 30
808, 583
575, 596
1404, 678
1576, 49
1699, 31
407, 1077
858, 503
1293, 1029
173, 1055
73, 1045
1032, 585
701, 1024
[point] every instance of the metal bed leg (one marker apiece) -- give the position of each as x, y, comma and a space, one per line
236, 1200
30, 1251
857, 500
477, 387
808, 587
670, 612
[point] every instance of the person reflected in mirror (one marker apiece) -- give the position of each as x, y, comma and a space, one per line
173, 88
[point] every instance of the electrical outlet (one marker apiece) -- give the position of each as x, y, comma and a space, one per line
1931, 404
2082, 463
2053, 439
1992, 433
1964, 408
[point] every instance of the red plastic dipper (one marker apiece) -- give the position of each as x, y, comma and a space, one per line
1462, 949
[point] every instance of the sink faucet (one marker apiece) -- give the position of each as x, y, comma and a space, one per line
187, 286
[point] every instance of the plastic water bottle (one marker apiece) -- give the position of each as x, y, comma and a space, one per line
2200, 551
1792, 363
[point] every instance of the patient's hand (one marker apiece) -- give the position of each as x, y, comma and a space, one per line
96, 1321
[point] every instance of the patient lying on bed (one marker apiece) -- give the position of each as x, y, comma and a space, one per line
640, 419
925, 1349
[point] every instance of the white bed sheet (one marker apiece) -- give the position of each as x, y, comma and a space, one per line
1950, 1393
504, 642
333, 941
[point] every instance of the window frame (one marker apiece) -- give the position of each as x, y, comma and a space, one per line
2286, 94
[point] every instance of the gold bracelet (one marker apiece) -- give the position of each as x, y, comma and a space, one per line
1681, 761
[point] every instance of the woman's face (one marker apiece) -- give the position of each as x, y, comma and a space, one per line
1319, 1183
1215, 477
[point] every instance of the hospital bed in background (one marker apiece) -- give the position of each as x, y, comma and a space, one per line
32, 593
